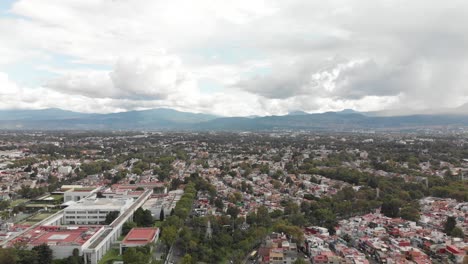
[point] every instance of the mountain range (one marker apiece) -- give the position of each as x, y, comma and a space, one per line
169, 119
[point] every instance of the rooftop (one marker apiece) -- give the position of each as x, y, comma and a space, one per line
140, 236
100, 203
58, 235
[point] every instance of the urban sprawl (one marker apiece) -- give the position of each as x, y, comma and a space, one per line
279, 198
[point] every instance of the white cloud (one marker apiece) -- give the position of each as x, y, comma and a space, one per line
151, 77
320, 55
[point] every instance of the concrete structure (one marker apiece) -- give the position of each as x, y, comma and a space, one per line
165, 202
139, 236
65, 170
98, 248
76, 193
92, 211
91, 241
61, 239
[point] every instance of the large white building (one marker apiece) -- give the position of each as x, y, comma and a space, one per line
65, 170
92, 211
63, 240
77, 192
165, 202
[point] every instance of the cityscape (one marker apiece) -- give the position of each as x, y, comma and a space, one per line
218, 197
233, 132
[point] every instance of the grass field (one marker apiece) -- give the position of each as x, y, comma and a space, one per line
36, 218
17, 202
111, 255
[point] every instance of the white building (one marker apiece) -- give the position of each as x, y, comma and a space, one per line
76, 193
65, 170
164, 202
93, 211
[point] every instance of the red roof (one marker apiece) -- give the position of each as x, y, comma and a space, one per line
58, 235
454, 249
140, 236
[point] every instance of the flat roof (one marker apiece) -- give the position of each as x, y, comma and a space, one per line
111, 204
58, 235
140, 236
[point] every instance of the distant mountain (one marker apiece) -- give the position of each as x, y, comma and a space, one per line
169, 119
42, 114
348, 111
57, 119
296, 113
336, 121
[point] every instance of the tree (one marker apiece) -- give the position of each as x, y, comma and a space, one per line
161, 215
127, 226
110, 217
457, 232
263, 217
134, 256
169, 235
219, 203
44, 254
143, 217
391, 208
7, 256
233, 211
449, 225
276, 213
410, 213
187, 259
26, 256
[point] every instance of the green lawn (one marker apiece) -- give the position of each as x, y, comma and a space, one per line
57, 197
36, 218
111, 255
17, 202
42, 216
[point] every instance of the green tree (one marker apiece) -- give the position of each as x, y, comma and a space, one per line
457, 232
8, 256
219, 203
410, 213
169, 235
110, 217
133, 256
263, 217
391, 208
44, 254
187, 259
233, 211
161, 215
449, 225
26, 256
127, 226
143, 217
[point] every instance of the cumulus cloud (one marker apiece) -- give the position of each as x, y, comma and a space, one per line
319, 55
151, 77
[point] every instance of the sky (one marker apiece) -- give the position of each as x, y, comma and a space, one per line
233, 58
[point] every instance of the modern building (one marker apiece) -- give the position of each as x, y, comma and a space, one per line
76, 193
165, 202
61, 239
92, 211
139, 236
